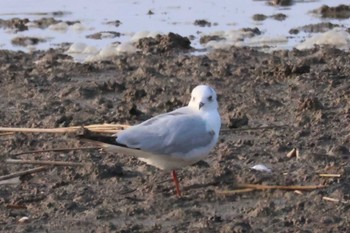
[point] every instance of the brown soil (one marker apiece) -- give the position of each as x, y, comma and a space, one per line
305, 92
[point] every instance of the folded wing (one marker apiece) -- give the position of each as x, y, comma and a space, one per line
168, 134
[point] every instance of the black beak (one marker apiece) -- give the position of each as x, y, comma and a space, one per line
201, 105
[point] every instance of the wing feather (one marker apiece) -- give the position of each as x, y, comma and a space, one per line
168, 134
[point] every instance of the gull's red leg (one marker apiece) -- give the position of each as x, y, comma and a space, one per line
178, 193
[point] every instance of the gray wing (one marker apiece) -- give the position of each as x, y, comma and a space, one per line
168, 134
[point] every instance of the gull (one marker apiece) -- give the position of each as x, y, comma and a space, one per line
171, 140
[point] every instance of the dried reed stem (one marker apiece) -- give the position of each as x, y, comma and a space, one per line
281, 187
334, 200
330, 175
21, 173
235, 191
99, 128
243, 188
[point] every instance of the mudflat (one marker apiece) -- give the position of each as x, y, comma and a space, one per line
270, 103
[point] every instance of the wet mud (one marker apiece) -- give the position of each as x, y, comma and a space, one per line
288, 99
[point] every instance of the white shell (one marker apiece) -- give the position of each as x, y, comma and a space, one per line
23, 220
261, 167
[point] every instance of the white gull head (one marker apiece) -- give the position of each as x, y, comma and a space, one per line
203, 98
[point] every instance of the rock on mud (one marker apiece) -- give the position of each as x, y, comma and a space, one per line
338, 12
319, 27
164, 43
26, 41
104, 34
202, 23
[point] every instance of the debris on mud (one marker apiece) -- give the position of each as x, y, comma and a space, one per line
26, 41
262, 17
104, 34
319, 27
205, 39
115, 23
202, 23
18, 24
339, 12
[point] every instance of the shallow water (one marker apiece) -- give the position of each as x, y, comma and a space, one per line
167, 16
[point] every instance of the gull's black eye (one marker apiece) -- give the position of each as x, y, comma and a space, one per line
193, 98
210, 98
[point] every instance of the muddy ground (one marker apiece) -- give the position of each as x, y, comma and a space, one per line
304, 95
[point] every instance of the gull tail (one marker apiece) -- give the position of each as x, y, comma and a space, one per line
109, 143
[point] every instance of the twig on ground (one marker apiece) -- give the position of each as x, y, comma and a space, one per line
281, 187
333, 200
242, 188
40, 162
98, 128
235, 191
26, 172
330, 175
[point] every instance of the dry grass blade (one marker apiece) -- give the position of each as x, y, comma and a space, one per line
243, 188
281, 187
235, 191
26, 172
333, 200
102, 128
54, 150
330, 175
38, 162
39, 130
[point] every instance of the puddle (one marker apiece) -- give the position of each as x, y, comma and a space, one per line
123, 19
